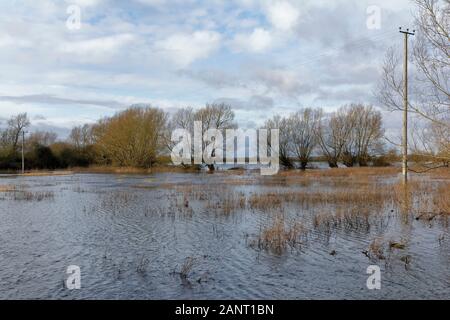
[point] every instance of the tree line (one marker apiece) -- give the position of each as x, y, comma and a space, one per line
141, 137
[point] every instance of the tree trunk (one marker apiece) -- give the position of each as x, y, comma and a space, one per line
303, 165
332, 163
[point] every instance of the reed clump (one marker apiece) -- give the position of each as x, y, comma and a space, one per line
279, 235
38, 196
376, 249
7, 188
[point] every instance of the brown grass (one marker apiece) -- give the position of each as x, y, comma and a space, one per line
376, 249
133, 170
367, 195
343, 172
187, 266
45, 173
279, 235
7, 188
32, 196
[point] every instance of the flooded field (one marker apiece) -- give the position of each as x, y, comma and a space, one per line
227, 235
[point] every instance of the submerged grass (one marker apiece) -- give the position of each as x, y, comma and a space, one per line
279, 235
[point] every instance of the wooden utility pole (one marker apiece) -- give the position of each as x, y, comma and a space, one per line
405, 105
23, 155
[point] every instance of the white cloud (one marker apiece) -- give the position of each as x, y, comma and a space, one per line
257, 41
98, 49
84, 3
184, 48
282, 15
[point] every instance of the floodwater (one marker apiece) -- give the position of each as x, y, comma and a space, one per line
131, 236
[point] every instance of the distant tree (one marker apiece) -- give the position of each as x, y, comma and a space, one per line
42, 138
215, 116
334, 133
285, 136
133, 137
10, 136
366, 134
41, 157
304, 125
181, 119
81, 136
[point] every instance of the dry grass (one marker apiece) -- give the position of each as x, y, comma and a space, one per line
186, 268
279, 235
7, 188
441, 200
367, 195
20, 193
38, 196
38, 173
343, 172
228, 203
376, 249
133, 170
266, 201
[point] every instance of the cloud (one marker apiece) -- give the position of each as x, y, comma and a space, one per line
254, 103
84, 3
286, 82
282, 15
257, 41
49, 99
185, 48
216, 78
98, 49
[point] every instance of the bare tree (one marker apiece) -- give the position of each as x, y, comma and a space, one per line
42, 138
365, 136
10, 137
81, 136
214, 116
303, 126
333, 133
285, 135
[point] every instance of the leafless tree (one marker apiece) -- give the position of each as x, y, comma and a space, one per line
285, 134
10, 136
42, 138
365, 136
215, 116
334, 132
303, 126
81, 136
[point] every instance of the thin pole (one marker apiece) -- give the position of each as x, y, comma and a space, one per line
405, 111
23, 156
405, 106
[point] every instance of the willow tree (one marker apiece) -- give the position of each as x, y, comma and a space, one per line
304, 125
133, 137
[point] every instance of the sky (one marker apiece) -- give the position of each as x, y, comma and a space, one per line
263, 57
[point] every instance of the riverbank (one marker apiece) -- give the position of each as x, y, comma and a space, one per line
313, 172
